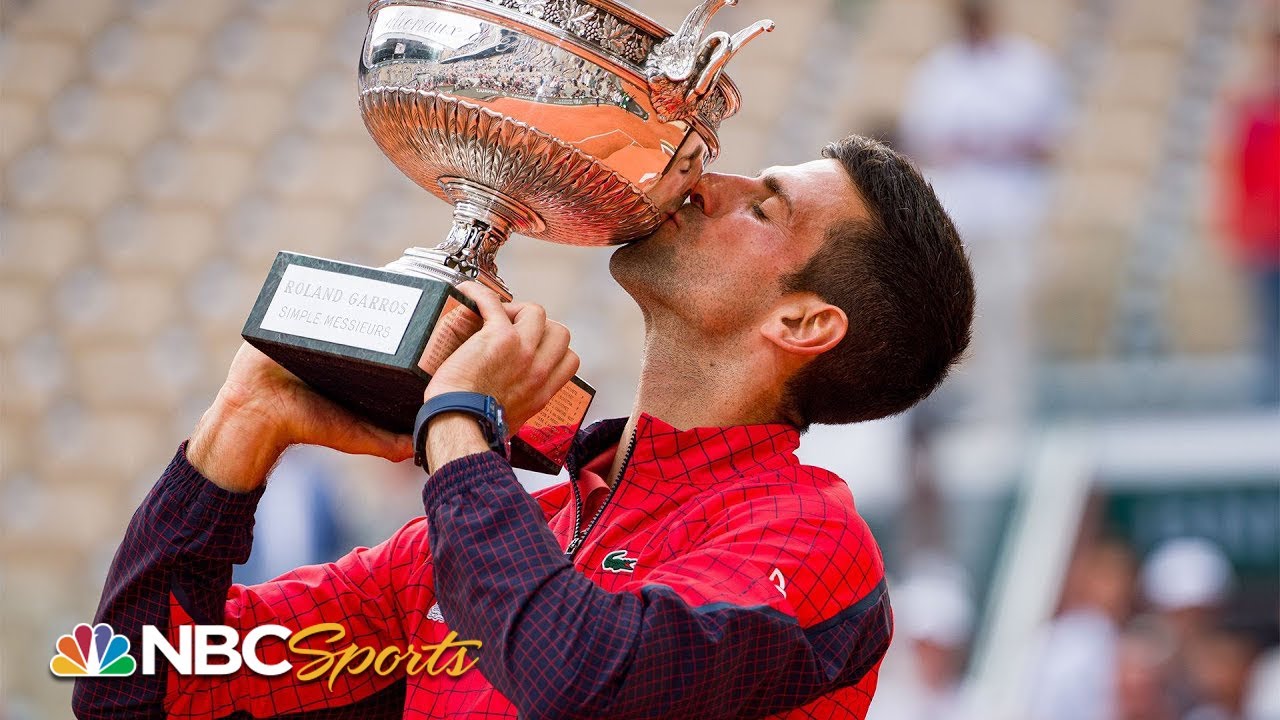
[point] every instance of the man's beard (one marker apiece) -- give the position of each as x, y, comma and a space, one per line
647, 270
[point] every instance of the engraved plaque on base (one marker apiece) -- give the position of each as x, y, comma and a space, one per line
369, 340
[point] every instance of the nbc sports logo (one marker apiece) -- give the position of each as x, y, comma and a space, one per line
97, 651
92, 651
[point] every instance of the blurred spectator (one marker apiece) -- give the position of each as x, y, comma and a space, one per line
1143, 657
297, 521
1253, 208
1263, 700
1220, 665
1187, 581
1075, 673
982, 117
922, 674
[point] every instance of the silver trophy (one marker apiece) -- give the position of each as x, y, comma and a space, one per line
573, 121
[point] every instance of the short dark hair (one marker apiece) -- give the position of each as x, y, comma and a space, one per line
901, 276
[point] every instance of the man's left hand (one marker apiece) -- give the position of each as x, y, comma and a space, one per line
518, 356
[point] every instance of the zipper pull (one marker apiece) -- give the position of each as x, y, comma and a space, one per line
573, 545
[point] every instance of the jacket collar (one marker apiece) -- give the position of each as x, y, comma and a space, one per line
697, 455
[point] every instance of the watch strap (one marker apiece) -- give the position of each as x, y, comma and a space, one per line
484, 408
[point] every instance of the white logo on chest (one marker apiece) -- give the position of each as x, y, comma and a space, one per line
778, 581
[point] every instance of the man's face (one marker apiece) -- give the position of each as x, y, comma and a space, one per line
718, 262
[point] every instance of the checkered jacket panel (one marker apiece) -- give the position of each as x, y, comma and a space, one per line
723, 579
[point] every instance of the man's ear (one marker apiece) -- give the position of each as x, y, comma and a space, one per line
804, 324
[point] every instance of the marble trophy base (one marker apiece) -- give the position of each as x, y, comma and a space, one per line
369, 340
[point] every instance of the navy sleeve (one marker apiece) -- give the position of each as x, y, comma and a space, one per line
183, 539
559, 646
181, 544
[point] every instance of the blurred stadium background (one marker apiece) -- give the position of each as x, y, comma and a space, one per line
156, 155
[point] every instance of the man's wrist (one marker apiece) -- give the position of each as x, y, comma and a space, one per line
233, 449
453, 435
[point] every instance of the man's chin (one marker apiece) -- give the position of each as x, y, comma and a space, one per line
619, 261
644, 266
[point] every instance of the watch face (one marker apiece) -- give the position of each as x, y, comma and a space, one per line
499, 427
501, 421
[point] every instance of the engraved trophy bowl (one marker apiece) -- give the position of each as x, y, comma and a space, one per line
579, 122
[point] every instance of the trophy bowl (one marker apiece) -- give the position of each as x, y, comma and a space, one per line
579, 122
574, 121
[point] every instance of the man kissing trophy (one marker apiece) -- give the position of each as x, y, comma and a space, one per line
573, 121
692, 566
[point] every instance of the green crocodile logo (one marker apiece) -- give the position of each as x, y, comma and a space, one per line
617, 561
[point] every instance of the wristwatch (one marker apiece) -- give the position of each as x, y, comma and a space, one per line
484, 408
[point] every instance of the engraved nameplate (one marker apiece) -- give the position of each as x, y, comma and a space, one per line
452, 30
344, 309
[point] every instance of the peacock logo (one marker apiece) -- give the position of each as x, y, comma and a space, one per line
92, 652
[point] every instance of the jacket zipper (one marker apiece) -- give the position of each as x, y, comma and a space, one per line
579, 535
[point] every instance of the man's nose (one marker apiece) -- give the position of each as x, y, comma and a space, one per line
714, 192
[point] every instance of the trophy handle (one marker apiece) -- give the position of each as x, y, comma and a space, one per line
483, 219
723, 51
684, 68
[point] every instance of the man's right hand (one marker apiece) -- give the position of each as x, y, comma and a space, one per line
263, 409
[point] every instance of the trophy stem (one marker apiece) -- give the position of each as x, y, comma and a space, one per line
483, 219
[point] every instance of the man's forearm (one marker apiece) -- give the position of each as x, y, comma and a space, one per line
451, 436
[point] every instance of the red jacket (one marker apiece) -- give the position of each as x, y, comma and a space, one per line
1255, 182
721, 579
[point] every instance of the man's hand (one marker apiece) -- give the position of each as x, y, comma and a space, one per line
518, 356
263, 409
